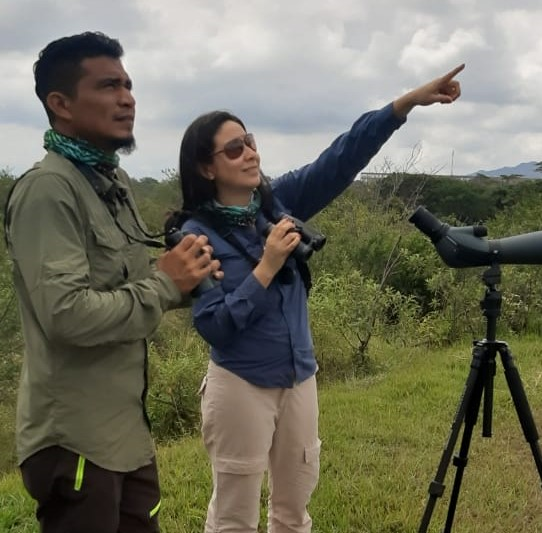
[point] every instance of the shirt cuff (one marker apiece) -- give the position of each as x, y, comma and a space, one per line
170, 296
253, 291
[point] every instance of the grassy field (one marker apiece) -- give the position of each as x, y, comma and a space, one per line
383, 438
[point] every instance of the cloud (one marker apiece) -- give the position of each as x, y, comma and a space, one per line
431, 46
298, 73
28, 25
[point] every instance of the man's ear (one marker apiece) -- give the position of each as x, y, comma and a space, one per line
59, 104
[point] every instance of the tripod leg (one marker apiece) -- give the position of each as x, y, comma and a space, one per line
436, 487
490, 371
461, 459
521, 403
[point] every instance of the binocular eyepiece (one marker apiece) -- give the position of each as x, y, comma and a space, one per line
311, 241
173, 237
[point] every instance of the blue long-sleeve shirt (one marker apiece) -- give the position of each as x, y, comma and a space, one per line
263, 334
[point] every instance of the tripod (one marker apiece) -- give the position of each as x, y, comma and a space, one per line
480, 383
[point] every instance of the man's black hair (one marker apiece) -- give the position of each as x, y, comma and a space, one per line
58, 67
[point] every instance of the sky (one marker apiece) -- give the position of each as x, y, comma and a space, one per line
298, 73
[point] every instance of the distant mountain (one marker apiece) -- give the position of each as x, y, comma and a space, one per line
527, 170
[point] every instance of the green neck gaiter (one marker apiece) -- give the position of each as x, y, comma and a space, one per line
78, 150
235, 215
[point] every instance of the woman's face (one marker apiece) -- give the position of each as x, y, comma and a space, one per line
235, 176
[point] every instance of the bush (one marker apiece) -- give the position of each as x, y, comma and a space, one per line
177, 363
7, 437
10, 364
347, 311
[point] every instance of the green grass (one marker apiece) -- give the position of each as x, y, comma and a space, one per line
383, 438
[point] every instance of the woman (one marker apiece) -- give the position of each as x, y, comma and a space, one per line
259, 400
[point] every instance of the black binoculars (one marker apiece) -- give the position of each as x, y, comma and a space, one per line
311, 241
173, 237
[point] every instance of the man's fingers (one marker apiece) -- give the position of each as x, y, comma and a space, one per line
215, 269
195, 244
186, 242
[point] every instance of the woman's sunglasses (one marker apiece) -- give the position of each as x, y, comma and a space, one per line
235, 148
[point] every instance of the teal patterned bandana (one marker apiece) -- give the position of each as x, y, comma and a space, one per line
235, 215
79, 150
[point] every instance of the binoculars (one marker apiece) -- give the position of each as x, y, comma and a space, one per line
173, 237
311, 241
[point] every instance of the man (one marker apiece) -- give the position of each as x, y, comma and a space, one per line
89, 296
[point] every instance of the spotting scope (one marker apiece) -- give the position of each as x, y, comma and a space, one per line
468, 246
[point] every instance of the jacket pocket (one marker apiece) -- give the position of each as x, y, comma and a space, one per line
106, 258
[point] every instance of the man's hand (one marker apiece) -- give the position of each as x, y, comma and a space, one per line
189, 263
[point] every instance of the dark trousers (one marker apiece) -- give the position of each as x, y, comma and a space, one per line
76, 496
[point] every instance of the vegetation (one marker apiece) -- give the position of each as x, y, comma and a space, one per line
382, 438
388, 318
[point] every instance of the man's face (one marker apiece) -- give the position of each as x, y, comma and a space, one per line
102, 110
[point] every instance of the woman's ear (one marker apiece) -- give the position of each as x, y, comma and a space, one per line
207, 172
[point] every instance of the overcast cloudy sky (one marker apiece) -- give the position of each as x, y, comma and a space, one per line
298, 72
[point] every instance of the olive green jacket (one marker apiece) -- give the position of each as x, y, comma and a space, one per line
88, 297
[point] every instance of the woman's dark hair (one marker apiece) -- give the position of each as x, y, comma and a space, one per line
197, 149
58, 67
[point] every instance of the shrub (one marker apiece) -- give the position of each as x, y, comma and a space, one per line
9, 377
347, 311
177, 363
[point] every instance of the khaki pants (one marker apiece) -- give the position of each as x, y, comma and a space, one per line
248, 430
